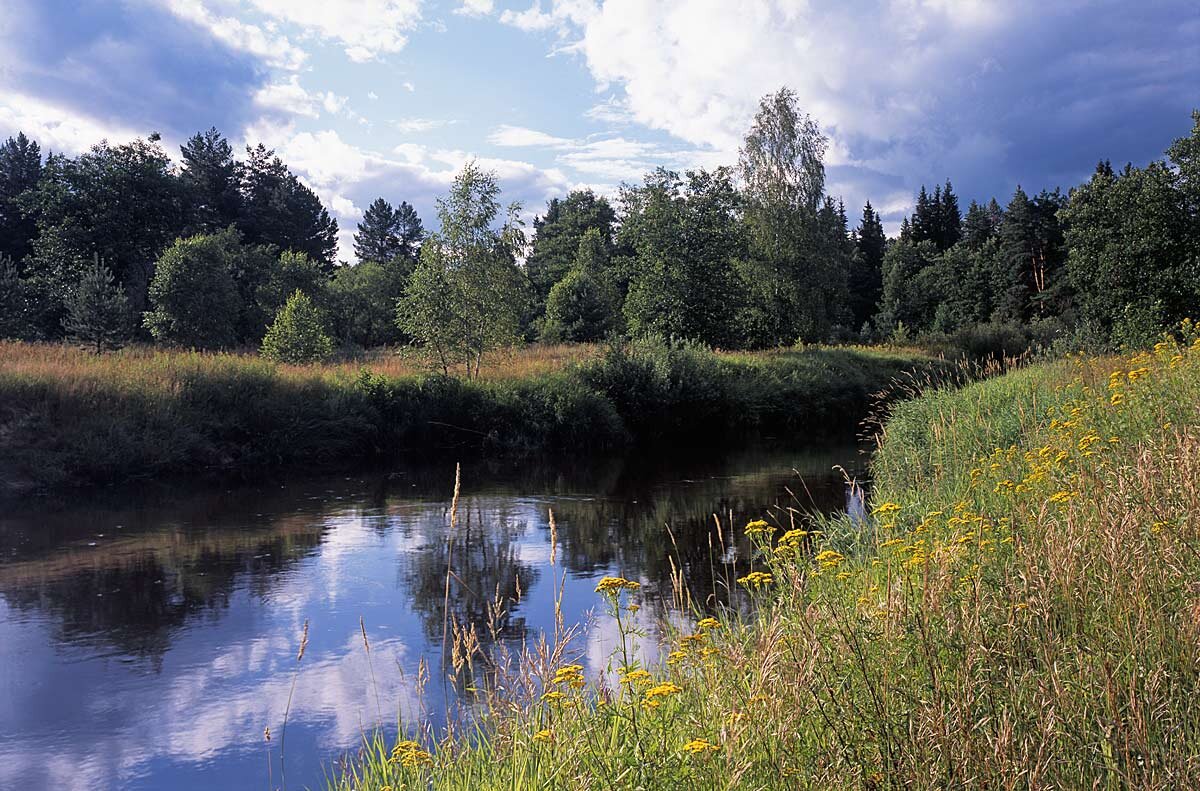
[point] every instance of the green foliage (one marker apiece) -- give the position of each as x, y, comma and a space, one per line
363, 302
78, 217
389, 236
793, 291
14, 312
557, 236
193, 297
1129, 246
279, 210
297, 335
685, 237
98, 313
20, 170
467, 296
293, 271
209, 177
865, 282
583, 307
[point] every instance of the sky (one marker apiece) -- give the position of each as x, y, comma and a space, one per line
369, 98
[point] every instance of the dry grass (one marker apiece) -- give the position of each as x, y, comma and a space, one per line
1022, 611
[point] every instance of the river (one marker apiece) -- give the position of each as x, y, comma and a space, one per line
148, 635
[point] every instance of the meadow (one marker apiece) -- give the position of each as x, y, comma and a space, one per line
69, 418
1019, 610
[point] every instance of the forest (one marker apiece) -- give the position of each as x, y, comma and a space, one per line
121, 245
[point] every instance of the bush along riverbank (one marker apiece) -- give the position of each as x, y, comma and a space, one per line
69, 418
1020, 610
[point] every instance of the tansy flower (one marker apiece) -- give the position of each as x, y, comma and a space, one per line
887, 508
611, 586
708, 623
543, 735
758, 527
756, 579
699, 746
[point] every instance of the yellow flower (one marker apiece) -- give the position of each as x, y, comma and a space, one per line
1063, 497
569, 674
611, 586
708, 623
829, 559
543, 735
663, 690
756, 579
759, 527
553, 695
887, 508
633, 676
675, 657
699, 746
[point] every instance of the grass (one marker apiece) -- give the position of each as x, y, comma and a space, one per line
1021, 610
68, 417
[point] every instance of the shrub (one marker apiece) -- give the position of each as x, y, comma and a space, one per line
298, 333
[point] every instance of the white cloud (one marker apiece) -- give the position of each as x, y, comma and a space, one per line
366, 28
54, 127
519, 136
417, 125
475, 8
287, 97
275, 49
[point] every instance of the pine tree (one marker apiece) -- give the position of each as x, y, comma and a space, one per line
949, 229
210, 181
98, 314
278, 209
377, 238
20, 169
297, 335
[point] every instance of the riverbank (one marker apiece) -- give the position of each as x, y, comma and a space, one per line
1020, 610
69, 418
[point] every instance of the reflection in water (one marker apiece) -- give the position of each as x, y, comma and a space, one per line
147, 639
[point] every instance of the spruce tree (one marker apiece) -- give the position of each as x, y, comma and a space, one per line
20, 169
98, 313
866, 270
949, 219
583, 306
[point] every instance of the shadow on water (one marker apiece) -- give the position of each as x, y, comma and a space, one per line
147, 636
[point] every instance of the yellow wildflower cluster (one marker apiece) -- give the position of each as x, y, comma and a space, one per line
656, 694
409, 754
696, 746
756, 579
611, 586
708, 623
543, 736
571, 675
633, 675
759, 527
829, 559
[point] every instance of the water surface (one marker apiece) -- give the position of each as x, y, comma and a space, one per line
149, 636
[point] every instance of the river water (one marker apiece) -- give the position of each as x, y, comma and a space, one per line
148, 636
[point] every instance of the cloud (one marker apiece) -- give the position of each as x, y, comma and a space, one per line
519, 136
56, 128
416, 125
272, 47
365, 28
908, 90
475, 8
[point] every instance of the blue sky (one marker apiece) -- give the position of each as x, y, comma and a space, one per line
389, 97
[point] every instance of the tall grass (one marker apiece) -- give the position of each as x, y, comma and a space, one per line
1020, 611
68, 417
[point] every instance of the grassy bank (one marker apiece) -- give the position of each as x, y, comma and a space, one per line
68, 417
1021, 611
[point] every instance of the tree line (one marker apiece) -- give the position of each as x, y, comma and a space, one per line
219, 252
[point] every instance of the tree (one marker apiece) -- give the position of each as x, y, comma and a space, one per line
20, 170
291, 272
121, 202
793, 292
1031, 257
466, 296
210, 183
14, 319
279, 210
388, 235
949, 229
193, 296
981, 223
583, 306
98, 313
558, 233
866, 267
686, 237
1128, 240
297, 335
363, 302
